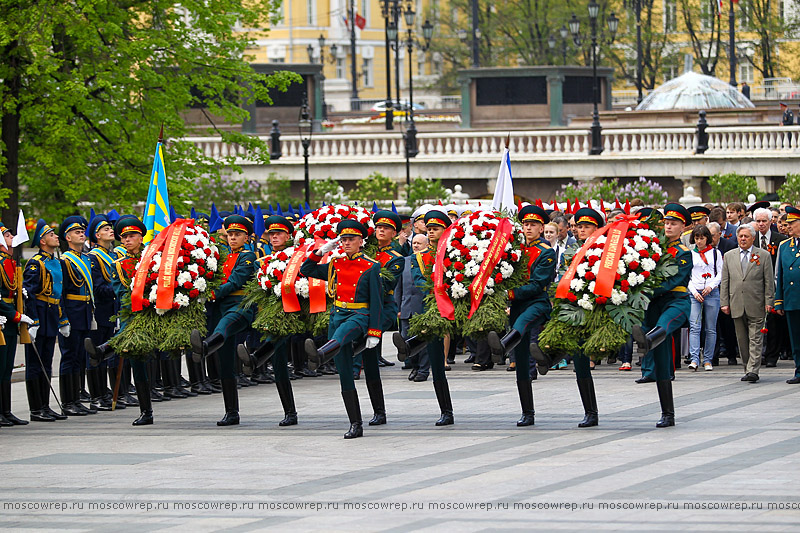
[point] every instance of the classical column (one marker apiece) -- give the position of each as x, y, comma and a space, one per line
555, 94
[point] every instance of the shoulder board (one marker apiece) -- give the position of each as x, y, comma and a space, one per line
545, 246
371, 260
38, 257
683, 247
395, 253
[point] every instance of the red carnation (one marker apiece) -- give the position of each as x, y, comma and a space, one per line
282, 256
209, 274
504, 256
498, 278
458, 265
646, 239
370, 231
590, 276
645, 226
633, 265
617, 276
593, 259
630, 234
145, 303
175, 305
646, 274
572, 298
207, 251
601, 300
447, 262
643, 253
187, 285
764, 330
656, 257
624, 285
199, 262
194, 293
279, 275
655, 240
268, 284
201, 270
331, 235
459, 277
193, 274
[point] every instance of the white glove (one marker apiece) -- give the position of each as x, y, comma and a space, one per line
329, 246
3, 320
65, 330
25, 319
372, 342
24, 292
116, 329
32, 332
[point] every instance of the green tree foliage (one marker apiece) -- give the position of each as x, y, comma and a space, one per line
790, 190
88, 83
376, 187
732, 187
424, 190
278, 190
327, 190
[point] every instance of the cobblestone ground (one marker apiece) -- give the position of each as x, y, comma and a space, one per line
730, 464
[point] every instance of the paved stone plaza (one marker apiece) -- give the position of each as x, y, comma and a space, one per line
735, 444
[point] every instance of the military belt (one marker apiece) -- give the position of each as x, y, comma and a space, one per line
350, 305
78, 297
47, 299
682, 288
8, 300
240, 292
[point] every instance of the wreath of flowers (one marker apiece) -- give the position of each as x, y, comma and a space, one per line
466, 250
197, 273
265, 291
603, 324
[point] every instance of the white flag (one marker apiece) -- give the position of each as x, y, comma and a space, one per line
22, 232
504, 191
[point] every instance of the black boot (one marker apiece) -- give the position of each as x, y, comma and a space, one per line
77, 394
586, 388
501, 347
97, 354
445, 404
97, 390
287, 401
5, 391
318, 357
69, 396
35, 402
651, 339
126, 388
353, 409
526, 400
667, 405
172, 387
260, 357
196, 382
145, 407
230, 397
375, 389
407, 347
44, 395
177, 378
204, 348
543, 361
4, 422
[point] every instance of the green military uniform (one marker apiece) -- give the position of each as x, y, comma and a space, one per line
787, 290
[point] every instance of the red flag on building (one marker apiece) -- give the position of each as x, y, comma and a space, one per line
361, 22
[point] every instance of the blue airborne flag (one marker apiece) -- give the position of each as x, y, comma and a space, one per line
156, 210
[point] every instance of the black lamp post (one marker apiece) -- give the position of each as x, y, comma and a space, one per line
306, 130
551, 42
310, 50
732, 44
387, 10
613, 24
411, 133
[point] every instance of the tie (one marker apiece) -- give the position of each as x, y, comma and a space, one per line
744, 261
763, 242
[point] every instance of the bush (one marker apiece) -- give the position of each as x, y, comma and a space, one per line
649, 192
422, 190
277, 190
225, 192
733, 187
790, 190
376, 187
327, 190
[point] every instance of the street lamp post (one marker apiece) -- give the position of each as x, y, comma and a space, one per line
732, 44
387, 11
310, 50
551, 42
306, 130
613, 23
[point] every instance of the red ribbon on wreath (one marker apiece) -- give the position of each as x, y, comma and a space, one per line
166, 272
493, 255
443, 301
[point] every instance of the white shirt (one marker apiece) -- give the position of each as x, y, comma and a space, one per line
703, 274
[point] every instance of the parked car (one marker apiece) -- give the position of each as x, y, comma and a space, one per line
402, 105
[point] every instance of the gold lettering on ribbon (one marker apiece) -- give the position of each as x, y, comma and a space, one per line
169, 260
496, 247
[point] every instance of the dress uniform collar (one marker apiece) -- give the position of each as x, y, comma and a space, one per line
674, 242
46, 255
432, 248
356, 255
534, 242
237, 250
386, 248
5, 254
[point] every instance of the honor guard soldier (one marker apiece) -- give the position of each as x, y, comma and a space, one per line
355, 284
226, 317
787, 291
279, 231
9, 318
668, 311
587, 221
530, 306
130, 232
421, 264
78, 308
42, 283
102, 257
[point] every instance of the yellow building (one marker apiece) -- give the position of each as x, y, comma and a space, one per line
303, 23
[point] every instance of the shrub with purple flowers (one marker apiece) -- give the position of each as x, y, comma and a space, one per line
649, 192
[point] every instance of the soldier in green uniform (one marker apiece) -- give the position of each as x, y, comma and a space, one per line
227, 318
355, 284
787, 291
130, 231
668, 311
9, 319
421, 265
279, 231
530, 307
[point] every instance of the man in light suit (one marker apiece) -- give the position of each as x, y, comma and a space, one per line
410, 302
747, 293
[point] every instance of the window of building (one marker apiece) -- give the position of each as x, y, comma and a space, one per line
341, 68
708, 10
364, 11
311, 10
670, 16
366, 72
746, 71
669, 72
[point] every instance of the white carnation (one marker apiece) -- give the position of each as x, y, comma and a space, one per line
301, 287
591, 287
490, 282
585, 303
181, 299
621, 268
469, 241
200, 284
577, 285
211, 263
183, 277
161, 311
633, 279
648, 264
617, 296
198, 253
277, 289
153, 292
193, 268
457, 290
